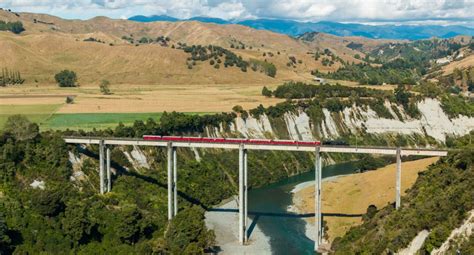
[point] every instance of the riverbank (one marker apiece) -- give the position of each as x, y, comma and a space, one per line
347, 197
224, 221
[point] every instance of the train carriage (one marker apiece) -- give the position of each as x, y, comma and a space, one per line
229, 140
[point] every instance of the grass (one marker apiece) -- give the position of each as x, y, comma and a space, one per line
352, 194
36, 113
46, 117
88, 121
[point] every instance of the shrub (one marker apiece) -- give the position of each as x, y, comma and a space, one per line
104, 87
21, 128
265, 67
66, 78
266, 92
69, 100
14, 27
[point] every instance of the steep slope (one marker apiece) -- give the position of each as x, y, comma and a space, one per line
39, 56
439, 202
103, 48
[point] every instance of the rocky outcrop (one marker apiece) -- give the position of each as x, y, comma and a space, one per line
462, 233
434, 122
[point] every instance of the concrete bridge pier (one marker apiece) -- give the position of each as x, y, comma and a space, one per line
175, 182
109, 177
101, 167
317, 198
398, 178
242, 194
170, 181
245, 197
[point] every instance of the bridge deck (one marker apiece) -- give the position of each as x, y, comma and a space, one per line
228, 145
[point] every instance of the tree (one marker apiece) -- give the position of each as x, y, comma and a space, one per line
4, 238
266, 92
104, 87
69, 100
371, 211
17, 27
237, 108
21, 128
402, 96
187, 233
66, 78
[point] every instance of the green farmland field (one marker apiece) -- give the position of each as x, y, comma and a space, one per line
47, 119
88, 121
35, 113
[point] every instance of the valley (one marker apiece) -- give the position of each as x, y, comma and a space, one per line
106, 77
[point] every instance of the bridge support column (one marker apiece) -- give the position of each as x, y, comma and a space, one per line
175, 182
101, 167
109, 178
399, 179
245, 197
317, 198
170, 181
242, 194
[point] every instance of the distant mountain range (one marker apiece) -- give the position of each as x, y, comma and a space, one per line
295, 28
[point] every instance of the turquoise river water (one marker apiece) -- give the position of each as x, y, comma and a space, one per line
268, 209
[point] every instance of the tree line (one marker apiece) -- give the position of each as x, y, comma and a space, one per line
10, 77
15, 27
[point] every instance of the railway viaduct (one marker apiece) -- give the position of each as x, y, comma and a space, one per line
242, 145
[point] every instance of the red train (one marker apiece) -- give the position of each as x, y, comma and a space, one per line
229, 140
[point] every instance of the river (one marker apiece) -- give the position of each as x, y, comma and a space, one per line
268, 209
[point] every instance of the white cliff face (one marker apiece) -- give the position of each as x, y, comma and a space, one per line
38, 184
252, 127
415, 244
433, 122
137, 158
330, 125
463, 233
196, 154
298, 126
73, 159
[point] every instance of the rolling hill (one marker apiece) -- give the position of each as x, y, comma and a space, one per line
295, 28
103, 48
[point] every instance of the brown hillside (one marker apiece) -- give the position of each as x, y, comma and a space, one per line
51, 44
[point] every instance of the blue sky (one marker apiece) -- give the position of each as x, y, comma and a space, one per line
360, 11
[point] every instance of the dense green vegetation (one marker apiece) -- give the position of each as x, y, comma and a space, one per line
299, 90
215, 54
161, 40
337, 97
9, 77
66, 78
15, 27
395, 63
465, 247
438, 201
218, 56
69, 216
457, 105
459, 80
395, 72
263, 66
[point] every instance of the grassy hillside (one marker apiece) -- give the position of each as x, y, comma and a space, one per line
438, 202
103, 48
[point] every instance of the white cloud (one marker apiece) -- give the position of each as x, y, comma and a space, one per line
441, 11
